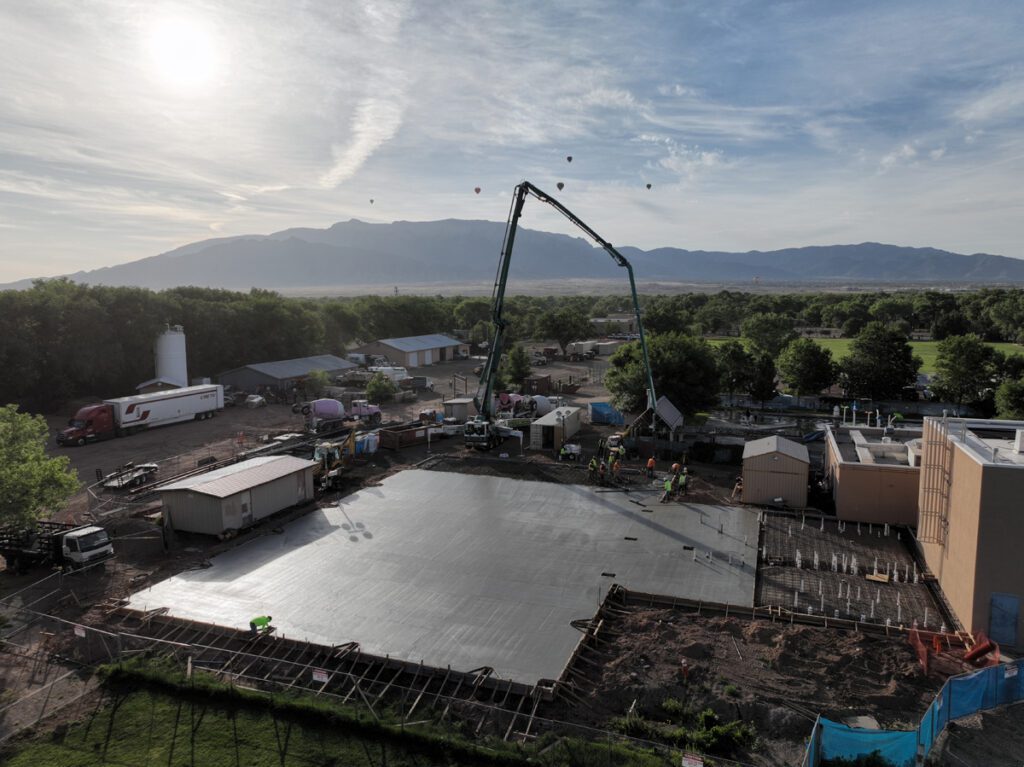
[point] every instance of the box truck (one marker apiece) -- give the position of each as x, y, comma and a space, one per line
70, 546
126, 415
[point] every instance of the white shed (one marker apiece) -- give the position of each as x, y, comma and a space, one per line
554, 429
237, 496
773, 468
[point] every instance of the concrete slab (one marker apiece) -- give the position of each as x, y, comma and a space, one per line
468, 571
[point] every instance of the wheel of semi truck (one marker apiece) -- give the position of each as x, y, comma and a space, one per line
80, 442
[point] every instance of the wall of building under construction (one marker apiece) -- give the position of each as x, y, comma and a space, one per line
876, 493
775, 475
973, 544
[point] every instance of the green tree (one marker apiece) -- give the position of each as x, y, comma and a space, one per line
683, 367
880, 364
1010, 400
761, 384
735, 366
807, 367
768, 332
565, 324
315, 383
380, 388
30, 481
964, 367
518, 368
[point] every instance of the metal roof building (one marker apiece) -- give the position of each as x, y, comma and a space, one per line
414, 351
775, 468
237, 496
283, 374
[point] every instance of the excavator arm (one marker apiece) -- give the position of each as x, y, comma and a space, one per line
480, 432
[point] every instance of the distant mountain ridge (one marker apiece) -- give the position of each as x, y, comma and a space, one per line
357, 253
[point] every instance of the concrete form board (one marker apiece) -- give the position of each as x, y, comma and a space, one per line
467, 571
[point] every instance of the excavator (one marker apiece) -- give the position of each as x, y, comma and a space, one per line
485, 431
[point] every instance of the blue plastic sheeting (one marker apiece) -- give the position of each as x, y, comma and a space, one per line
603, 412
838, 740
961, 696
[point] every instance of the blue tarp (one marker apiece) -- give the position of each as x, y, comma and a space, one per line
603, 412
960, 696
838, 740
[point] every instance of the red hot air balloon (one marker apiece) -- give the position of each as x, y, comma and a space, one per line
476, 189
371, 201
560, 186
648, 186
569, 158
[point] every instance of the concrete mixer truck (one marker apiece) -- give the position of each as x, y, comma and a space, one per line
329, 414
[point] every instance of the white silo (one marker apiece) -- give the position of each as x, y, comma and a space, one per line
171, 365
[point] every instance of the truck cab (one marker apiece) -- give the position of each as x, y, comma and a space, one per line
90, 424
83, 546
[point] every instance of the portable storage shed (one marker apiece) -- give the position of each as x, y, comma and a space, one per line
460, 408
775, 467
238, 496
557, 427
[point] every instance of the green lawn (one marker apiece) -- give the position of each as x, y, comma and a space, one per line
926, 350
150, 716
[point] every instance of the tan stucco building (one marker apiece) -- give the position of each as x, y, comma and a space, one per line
774, 468
874, 477
971, 521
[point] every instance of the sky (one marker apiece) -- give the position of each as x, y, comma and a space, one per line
130, 128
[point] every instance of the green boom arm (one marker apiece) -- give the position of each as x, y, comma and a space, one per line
484, 399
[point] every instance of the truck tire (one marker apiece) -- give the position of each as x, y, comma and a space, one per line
375, 419
80, 441
305, 410
296, 408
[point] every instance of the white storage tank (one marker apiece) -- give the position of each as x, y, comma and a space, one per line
171, 363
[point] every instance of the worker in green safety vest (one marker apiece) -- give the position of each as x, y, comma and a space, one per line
260, 624
668, 490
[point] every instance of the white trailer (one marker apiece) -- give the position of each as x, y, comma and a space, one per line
145, 411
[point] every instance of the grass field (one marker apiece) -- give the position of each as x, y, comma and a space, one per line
151, 716
926, 350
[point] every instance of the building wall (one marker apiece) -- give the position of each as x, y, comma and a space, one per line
774, 475
282, 493
246, 379
191, 512
879, 493
1000, 566
419, 358
954, 563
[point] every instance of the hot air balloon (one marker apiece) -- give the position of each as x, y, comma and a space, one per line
476, 189
560, 186
648, 186
569, 158
371, 201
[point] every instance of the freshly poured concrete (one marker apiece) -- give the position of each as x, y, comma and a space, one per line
467, 571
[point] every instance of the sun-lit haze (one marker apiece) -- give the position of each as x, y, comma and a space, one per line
128, 128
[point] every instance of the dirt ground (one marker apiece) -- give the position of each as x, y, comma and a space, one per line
989, 739
776, 676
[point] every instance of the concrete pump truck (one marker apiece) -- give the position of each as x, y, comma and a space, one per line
484, 431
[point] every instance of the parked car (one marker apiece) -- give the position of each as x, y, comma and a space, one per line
255, 400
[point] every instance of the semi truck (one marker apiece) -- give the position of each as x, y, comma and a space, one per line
69, 546
122, 416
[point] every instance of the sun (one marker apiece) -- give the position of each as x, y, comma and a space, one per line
184, 52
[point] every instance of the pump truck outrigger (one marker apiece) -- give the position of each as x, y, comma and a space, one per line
484, 432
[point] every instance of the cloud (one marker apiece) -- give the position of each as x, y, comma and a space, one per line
1003, 101
376, 121
898, 156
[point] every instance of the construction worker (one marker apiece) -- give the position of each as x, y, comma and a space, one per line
593, 467
650, 467
675, 483
668, 490
260, 624
616, 466
684, 480
563, 453
602, 468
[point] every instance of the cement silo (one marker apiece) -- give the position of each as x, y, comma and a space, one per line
171, 365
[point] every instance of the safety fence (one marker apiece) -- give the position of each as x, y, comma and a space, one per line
960, 696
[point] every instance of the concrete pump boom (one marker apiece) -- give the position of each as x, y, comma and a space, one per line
478, 432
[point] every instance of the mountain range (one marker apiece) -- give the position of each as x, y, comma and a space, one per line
456, 251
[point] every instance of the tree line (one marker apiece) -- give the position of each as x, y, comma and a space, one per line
60, 340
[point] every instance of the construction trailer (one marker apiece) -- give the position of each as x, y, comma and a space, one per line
237, 496
554, 429
775, 472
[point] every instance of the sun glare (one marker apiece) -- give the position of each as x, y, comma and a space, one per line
183, 51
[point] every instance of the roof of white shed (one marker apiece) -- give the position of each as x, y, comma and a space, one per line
776, 444
222, 483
